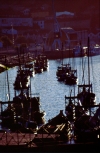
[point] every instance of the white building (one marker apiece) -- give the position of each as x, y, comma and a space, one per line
64, 13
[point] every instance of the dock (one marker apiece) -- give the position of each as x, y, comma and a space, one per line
30, 142
12, 59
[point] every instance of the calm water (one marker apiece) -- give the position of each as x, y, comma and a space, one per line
51, 91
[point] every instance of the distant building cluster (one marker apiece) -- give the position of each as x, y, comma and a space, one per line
37, 24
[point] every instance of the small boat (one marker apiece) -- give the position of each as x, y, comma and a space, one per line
21, 111
22, 80
87, 120
44, 61
71, 77
86, 96
83, 112
62, 71
78, 51
94, 50
58, 126
85, 91
41, 63
66, 73
28, 68
24, 111
71, 105
38, 69
86, 125
84, 120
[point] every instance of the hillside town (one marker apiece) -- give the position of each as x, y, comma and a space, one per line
34, 22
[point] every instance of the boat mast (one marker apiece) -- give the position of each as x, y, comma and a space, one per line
88, 62
69, 53
18, 52
62, 53
8, 86
8, 83
81, 54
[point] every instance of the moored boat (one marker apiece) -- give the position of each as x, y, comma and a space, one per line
94, 50
85, 91
78, 51
28, 68
71, 78
62, 71
22, 80
41, 63
24, 110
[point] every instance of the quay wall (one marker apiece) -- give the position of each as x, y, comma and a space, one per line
49, 54
55, 54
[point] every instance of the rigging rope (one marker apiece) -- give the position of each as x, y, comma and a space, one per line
92, 71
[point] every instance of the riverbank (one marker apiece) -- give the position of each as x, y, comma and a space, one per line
56, 54
10, 58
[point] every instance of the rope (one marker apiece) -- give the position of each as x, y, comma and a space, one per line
92, 71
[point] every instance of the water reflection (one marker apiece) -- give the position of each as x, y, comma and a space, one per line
52, 92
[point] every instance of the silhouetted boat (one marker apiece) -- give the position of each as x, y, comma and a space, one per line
79, 51
22, 80
24, 110
62, 71
85, 93
41, 63
71, 77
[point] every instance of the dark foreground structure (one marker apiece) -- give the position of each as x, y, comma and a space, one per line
55, 148
35, 142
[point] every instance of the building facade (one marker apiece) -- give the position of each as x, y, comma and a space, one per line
5, 22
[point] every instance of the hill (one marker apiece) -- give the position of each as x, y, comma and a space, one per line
76, 6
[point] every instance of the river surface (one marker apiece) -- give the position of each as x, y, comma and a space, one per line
52, 92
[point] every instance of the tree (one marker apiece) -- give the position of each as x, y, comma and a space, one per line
21, 49
30, 40
21, 40
6, 41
